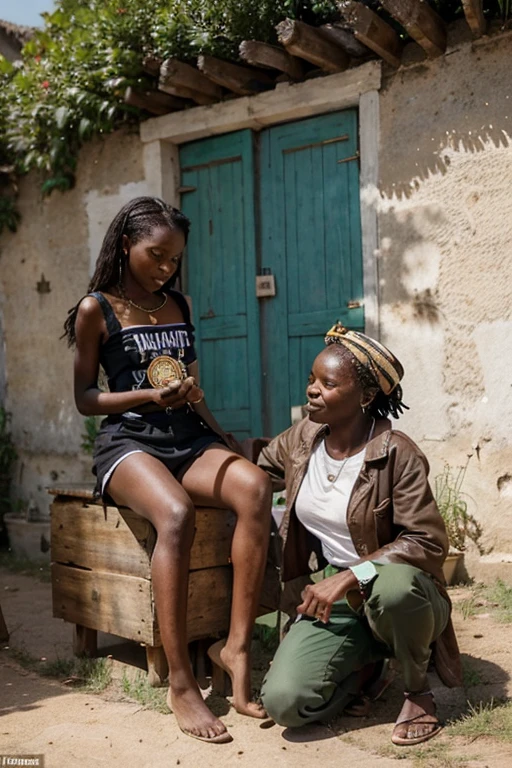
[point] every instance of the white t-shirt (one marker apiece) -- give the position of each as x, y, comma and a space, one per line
321, 504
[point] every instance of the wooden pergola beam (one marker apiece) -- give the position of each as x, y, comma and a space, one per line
373, 31
244, 81
345, 39
421, 22
156, 102
185, 81
474, 14
272, 57
310, 44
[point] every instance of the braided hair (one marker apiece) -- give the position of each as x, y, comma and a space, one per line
380, 405
137, 220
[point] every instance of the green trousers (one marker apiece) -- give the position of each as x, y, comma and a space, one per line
314, 673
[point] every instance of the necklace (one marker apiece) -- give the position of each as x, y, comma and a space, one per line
138, 306
331, 477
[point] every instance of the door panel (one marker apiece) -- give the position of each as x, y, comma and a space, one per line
311, 240
221, 265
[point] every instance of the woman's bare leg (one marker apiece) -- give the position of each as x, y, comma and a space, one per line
221, 478
143, 483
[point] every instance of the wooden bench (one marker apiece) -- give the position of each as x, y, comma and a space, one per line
101, 575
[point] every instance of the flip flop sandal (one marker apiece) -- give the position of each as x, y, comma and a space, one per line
436, 726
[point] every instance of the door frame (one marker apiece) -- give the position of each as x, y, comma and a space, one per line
357, 87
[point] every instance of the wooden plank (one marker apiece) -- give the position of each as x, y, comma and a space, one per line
345, 39
85, 641
209, 602
373, 31
122, 541
212, 541
474, 14
310, 44
184, 79
110, 602
223, 327
123, 605
245, 81
421, 22
87, 536
288, 101
153, 101
272, 57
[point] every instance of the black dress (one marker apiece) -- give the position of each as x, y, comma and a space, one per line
175, 437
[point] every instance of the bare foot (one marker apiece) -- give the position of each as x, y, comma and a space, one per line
238, 666
193, 716
417, 720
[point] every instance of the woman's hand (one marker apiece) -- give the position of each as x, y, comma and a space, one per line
176, 394
317, 599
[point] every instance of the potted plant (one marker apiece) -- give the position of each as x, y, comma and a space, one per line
460, 524
8, 457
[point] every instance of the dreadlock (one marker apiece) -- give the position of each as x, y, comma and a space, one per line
380, 405
137, 219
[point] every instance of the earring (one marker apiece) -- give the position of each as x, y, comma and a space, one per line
121, 269
364, 408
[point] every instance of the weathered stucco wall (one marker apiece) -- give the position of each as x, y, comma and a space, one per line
445, 265
60, 238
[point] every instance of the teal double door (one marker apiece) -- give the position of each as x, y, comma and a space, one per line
283, 202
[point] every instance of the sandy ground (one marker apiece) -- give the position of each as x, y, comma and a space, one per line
73, 729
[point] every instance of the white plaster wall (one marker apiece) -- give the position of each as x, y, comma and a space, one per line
445, 265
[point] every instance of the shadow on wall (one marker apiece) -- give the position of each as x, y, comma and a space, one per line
460, 102
409, 279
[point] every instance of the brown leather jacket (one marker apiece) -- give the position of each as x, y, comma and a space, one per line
392, 516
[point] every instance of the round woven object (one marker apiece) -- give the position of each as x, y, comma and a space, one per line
164, 369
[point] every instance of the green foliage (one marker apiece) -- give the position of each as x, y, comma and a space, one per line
460, 524
9, 216
92, 426
71, 82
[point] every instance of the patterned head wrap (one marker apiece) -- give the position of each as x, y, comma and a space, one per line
381, 364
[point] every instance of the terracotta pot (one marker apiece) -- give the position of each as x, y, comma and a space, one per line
450, 567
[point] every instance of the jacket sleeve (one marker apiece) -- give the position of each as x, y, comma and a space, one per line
418, 531
272, 459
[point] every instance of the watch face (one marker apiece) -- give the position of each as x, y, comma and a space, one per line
164, 369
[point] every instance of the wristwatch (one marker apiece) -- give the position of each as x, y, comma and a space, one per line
365, 573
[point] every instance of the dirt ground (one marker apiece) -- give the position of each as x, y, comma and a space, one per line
76, 729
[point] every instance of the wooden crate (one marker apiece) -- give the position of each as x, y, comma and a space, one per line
101, 575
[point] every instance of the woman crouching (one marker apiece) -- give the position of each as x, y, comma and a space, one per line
359, 496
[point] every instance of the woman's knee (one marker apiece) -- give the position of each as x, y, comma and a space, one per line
282, 699
397, 590
174, 521
254, 486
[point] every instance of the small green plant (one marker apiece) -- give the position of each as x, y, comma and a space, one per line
453, 506
9, 215
92, 427
491, 719
92, 675
141, 691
